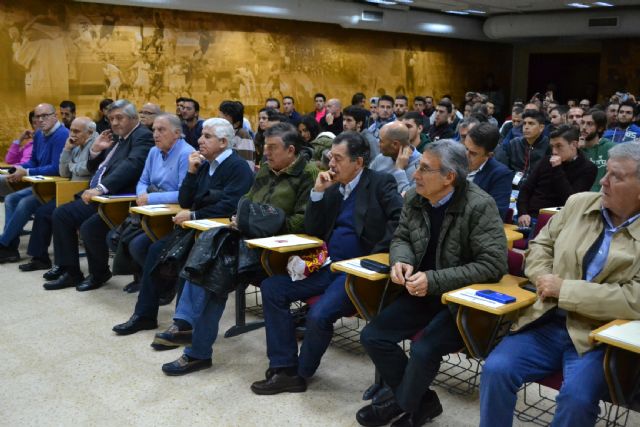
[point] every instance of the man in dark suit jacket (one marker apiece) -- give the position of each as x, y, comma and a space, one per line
117, 159
485, 171
355, 210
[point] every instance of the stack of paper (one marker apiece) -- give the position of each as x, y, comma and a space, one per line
629, 333
281, 241
154, 208
206, 223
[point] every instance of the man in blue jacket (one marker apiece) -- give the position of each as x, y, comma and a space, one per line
485, 171
48, 143
625, 131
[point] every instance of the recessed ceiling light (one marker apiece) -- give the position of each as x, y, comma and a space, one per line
579, 5
385, 2
481, 12
602, 3
436, 28
457, 12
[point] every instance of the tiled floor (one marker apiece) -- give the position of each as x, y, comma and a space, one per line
62, 365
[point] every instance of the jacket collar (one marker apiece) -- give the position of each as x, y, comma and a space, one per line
294, 169
594, 209
456, 205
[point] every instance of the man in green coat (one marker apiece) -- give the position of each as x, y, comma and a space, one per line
450, 235
596, 148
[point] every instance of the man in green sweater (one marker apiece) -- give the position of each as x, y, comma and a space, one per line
596, 148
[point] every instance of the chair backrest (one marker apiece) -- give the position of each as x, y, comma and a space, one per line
515, 261
508, 217
543, 219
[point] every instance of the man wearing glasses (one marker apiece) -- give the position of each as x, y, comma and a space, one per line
450, 235
148, 114
48, 142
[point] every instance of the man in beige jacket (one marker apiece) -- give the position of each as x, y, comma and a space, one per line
586, 270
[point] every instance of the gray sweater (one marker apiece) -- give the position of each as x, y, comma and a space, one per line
73, 164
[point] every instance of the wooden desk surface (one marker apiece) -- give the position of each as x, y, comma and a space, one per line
36, 179
200, 227
286, 249
595, 336
169, 209
382, 258
513, 235
551, 211
513, 227
108, 200
509, 285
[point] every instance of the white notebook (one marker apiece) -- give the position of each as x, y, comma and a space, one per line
629, 333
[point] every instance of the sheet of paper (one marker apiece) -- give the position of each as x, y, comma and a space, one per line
629, 333
206, 223
355, 265
120, 196
470, 295
280, 241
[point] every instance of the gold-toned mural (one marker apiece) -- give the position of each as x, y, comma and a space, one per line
50, 51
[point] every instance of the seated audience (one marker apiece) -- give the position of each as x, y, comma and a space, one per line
308, 129
20, 150
242, 142
258, 139
567, 171
450, 235
320, 110
103, 122
148, 114
73, 165
625, 130
355, 210
289, 107
216, 179
397, 156
67, 113
485, 171
514, 128
191, 123
332, 120
596, 147
584, 267
354, 120
283, 183
522, 155
414, 121
384, 111
48, 142
441, 128
116, 167
574, 116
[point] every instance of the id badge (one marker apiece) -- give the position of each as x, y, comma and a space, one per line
517, 178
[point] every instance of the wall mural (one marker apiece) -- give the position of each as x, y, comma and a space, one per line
50, 51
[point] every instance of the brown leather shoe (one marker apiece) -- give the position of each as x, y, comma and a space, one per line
172, 338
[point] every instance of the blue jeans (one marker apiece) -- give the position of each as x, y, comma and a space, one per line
191, 304
532, 355
18, 208
278, 292
205, 324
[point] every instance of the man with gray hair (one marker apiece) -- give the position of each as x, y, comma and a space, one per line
73, 165
585, 269
450, 235
19, 205
116, 160
332, 121
397, 156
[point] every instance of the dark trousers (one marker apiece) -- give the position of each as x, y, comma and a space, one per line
41, 231
278, 292
149, 296
410, 378
66, 220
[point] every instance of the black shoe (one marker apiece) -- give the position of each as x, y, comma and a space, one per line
379, 414
55, 272
132, 287
66, 280
8, 255
430, 408
185, 365
134, 324
279, 382
171, 338
35, 264
90, 283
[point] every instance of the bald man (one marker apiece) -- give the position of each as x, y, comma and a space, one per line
148, 114
332, 121
73, 165
397, 156
48, 142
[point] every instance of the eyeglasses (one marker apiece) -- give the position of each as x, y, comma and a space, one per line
147, 113
43, 116
426, 169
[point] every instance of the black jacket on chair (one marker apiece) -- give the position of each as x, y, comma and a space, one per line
126, 165
377, 211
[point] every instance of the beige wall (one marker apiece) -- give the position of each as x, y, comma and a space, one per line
85, 52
